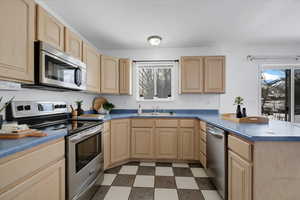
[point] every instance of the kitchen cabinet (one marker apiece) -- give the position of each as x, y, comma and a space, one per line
109, 75
92, 60
47, 184
120, 140
192, 70
125, 76
186, 144
214, 74
142, 143
106, 145
166, 143
239, 178
17, 40
49, 29
73, 44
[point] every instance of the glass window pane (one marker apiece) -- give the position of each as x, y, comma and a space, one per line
297, 96
163, 83
146, 83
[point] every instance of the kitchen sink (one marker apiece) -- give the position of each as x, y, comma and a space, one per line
156, 114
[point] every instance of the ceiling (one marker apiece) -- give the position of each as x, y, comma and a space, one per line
125, 24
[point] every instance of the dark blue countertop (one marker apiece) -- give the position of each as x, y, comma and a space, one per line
274, 131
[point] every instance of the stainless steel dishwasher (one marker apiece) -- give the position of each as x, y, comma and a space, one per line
217, 158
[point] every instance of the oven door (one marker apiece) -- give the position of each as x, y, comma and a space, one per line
55, 71
84, 161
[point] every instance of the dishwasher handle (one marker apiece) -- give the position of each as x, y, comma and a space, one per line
214, 133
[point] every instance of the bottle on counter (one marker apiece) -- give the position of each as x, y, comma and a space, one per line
244, 113
140, 109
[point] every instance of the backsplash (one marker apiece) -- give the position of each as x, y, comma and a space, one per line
43, 95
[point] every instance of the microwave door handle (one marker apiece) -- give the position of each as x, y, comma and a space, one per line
78, 76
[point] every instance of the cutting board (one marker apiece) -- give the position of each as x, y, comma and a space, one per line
250, 119
98, 101
22, 134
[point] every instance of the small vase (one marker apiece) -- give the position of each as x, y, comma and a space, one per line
79, 110
1, 121
244, 113
239, 112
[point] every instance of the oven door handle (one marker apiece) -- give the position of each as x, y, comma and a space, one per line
83, 135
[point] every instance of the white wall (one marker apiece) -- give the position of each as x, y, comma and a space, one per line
241, 75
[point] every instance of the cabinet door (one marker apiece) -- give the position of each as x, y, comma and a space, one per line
49, 29
192, 74
92, 60
106, 148
47, 184
125, 76
166, 143
73, 44
239, 178
17, 40
142, 143
120, 140
186, 145
214, 79
109, 75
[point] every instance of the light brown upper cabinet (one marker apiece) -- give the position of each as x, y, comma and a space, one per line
109, 75
125, 76
92, 60
73, 44
214, 74
192, 70
17, 40
49, 29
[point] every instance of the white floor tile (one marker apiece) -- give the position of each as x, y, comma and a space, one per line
180, 165
164, 171
148, 164
186, 183
126, 169
164, 194
199, 172
118, 193
144, 181
211, 195
108, 179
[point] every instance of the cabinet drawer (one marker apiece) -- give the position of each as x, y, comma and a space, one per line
29, 163
240, 147
203, 135
187, 123
142, 123
203, 159
106, 126
203, 147
167, 123
203, 125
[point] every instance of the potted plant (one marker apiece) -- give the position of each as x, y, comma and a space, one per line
238, 101
108, 106
3, 107
79, 109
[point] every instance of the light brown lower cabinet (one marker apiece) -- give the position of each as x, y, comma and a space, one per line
239, 178
106, 148
142, 143
120, 140
186, 144
48, 184
166, 143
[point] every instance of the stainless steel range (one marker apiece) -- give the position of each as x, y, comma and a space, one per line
84, 157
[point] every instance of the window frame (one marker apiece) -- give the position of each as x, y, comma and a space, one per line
155, 65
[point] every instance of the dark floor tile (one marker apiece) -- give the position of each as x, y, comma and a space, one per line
134, 163
100, 194
163, 164
145, 170
190, 195
165, 182
139, 193
195, 165
205, 184
180, 171
124, 180
114, 170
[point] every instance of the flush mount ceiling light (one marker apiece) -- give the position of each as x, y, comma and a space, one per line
154, 40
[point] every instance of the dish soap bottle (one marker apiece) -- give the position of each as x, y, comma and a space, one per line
140, 109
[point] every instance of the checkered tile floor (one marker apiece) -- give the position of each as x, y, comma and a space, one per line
157, 181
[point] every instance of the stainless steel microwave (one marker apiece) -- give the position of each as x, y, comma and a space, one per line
57, 69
